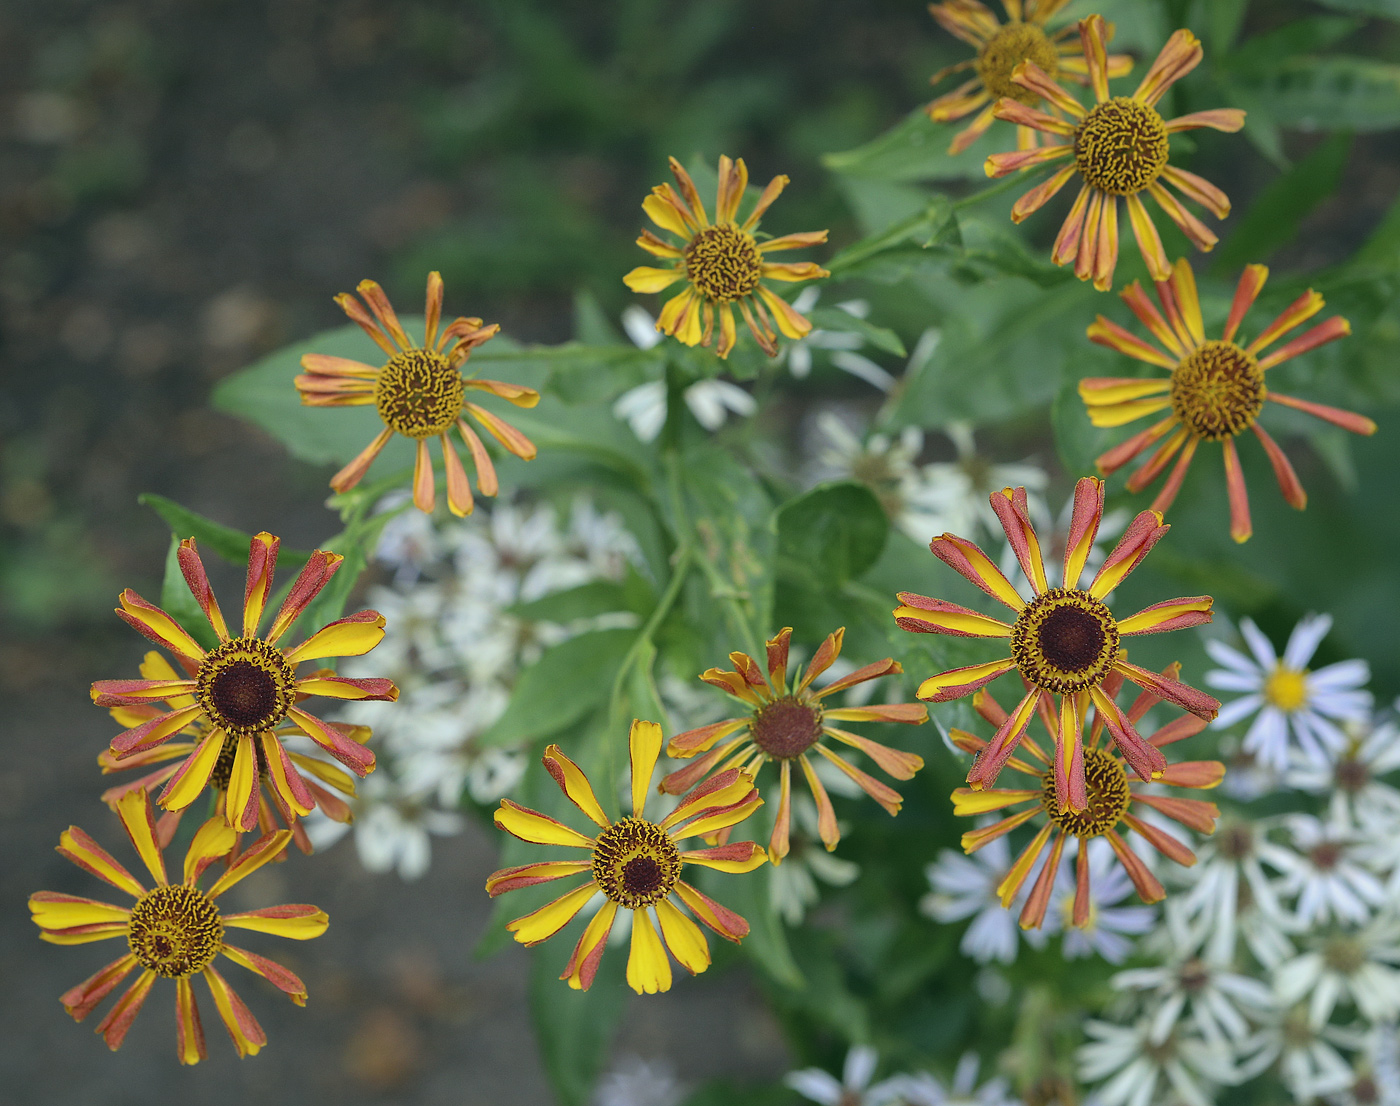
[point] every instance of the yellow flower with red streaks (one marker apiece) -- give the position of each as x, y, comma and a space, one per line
1112, 795
420, 392
245, 688
1064, 642
723, 263
1001, 47
173, 931
317, 775
634, 864
1216, 390
1119, 147
786, 723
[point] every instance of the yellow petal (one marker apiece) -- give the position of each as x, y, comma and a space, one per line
572, 781
549, 919
300, 923
134, 809
648, 967
644, 741
645, 278
683, 938
344, 639
531, 825
967, 801
195, 775
61, 912
213, 839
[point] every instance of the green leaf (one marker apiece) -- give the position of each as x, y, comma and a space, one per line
229, 543
834, 318
1076, 440
933, 224
568, 681
767, 944
1274, 218
575, 1028
1387, 9
597, 597
1262, 54
917, 149
830, 534
1329, 93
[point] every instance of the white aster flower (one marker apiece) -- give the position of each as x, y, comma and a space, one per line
927, 1090
1289, 699
1228, 896
1359, 965
637, 1082
391, 828
1350, 777
884, 464
409, 541
1308, 1056
1138, 1072
966, 887
840, 345
1326, 869
792, 885
952, 496
1221, 1002
854, 1089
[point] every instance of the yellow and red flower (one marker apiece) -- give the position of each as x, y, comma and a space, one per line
1111, 797
1001, 47
635, 865
1119, 147
317, 775
723, 262
1065, 643
244, 689
419, 393
174, 931
1216, 389
786, 723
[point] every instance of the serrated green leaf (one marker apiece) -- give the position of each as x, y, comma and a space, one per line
1275, 216
830, 534
834, 318
568, 681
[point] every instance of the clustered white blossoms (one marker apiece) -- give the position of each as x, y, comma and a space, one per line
454, 644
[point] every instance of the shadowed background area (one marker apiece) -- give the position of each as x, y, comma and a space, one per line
183, 187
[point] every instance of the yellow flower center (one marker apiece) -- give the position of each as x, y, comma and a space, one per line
1344, 955
786, 727
1065, 641
1108, 795
723, 263
635, 863
419, 393
1218, 390
245, 686
1008, 48
1287, 688
1121, 146
175, 931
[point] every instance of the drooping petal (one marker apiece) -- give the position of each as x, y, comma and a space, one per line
683, 938
721, 919
738, 856
189, 1033
911, 714
297, 921
211, 841
243, 1029
1148, 240
82, 1000
1041, 194
886, 796
1146, 760
1288, 481
1164, 687
588, 953
352, 473
263, 851
118, 1020
334, 740
1201, 236
572, 781
899, 764
1240, 526
1347, 420
149, 734
1066, 247
1149, 888
700, 739
509, 437
1004, 164
1010, 885
53, 910
1228, 120
645, 278
648, 967
280, 977
1167, 495
1033, 912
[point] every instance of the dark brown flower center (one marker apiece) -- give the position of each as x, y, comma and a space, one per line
1008, 48
175, 931
1194, 976
635, 863
723, 263
786, 727
1352, 776
419, 393
1325, 855
1064, 641
1218, 391
245, 686
1235, 841
1121, 146
1108, 795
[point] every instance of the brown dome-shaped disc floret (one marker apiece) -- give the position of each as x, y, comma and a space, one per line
635, 863
1109, 795
245, 686
1121, 146
1008, 48
175, 931
419, 393
1065, 641
723, 263
786, 727
1218, 391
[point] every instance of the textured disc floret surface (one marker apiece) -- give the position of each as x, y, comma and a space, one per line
786, 727
419, 393
175, 931
1106, 786
1121, 146
1218, 391
1008, 48
723, 263
222, 771
1065, 641
245, 686
635, 863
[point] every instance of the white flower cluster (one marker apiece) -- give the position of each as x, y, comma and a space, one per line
855, 1088
454, 645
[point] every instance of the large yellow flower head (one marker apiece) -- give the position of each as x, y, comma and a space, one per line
244, 692
1001, 47
723, 262
173, 930
1216, 390
1119, 147
786, 722
420, 392
633, 864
